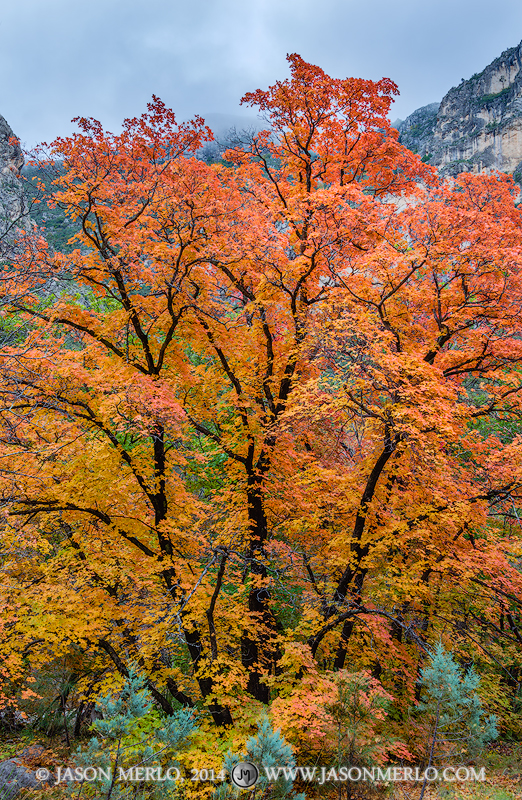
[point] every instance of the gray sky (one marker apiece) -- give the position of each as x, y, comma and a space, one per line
105, 58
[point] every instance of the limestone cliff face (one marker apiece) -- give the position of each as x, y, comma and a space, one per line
11, 156
478, 125
416, 132
13, 208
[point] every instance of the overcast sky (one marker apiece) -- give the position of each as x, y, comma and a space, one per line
105, 58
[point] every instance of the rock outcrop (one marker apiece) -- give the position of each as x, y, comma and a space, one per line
416, 132
13, 206
16, 776
477, 127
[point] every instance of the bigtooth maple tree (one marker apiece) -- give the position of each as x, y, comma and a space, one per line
266, 406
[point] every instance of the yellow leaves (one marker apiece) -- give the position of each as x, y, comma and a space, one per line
253, 404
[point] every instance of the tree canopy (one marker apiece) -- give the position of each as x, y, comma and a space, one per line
263, 422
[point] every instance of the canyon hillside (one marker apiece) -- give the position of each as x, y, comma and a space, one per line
477, 127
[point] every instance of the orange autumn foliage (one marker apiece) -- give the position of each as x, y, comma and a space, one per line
264, 403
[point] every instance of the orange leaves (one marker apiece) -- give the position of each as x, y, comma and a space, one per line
265, 414
336, 715
334, 131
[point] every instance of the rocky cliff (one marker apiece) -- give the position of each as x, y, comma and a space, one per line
13, 209
477, 127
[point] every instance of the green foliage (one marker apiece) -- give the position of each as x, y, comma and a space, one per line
267, 750
487, 98
57, 227
496, 421
13, 330
354, 711
453, 707
131, 734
